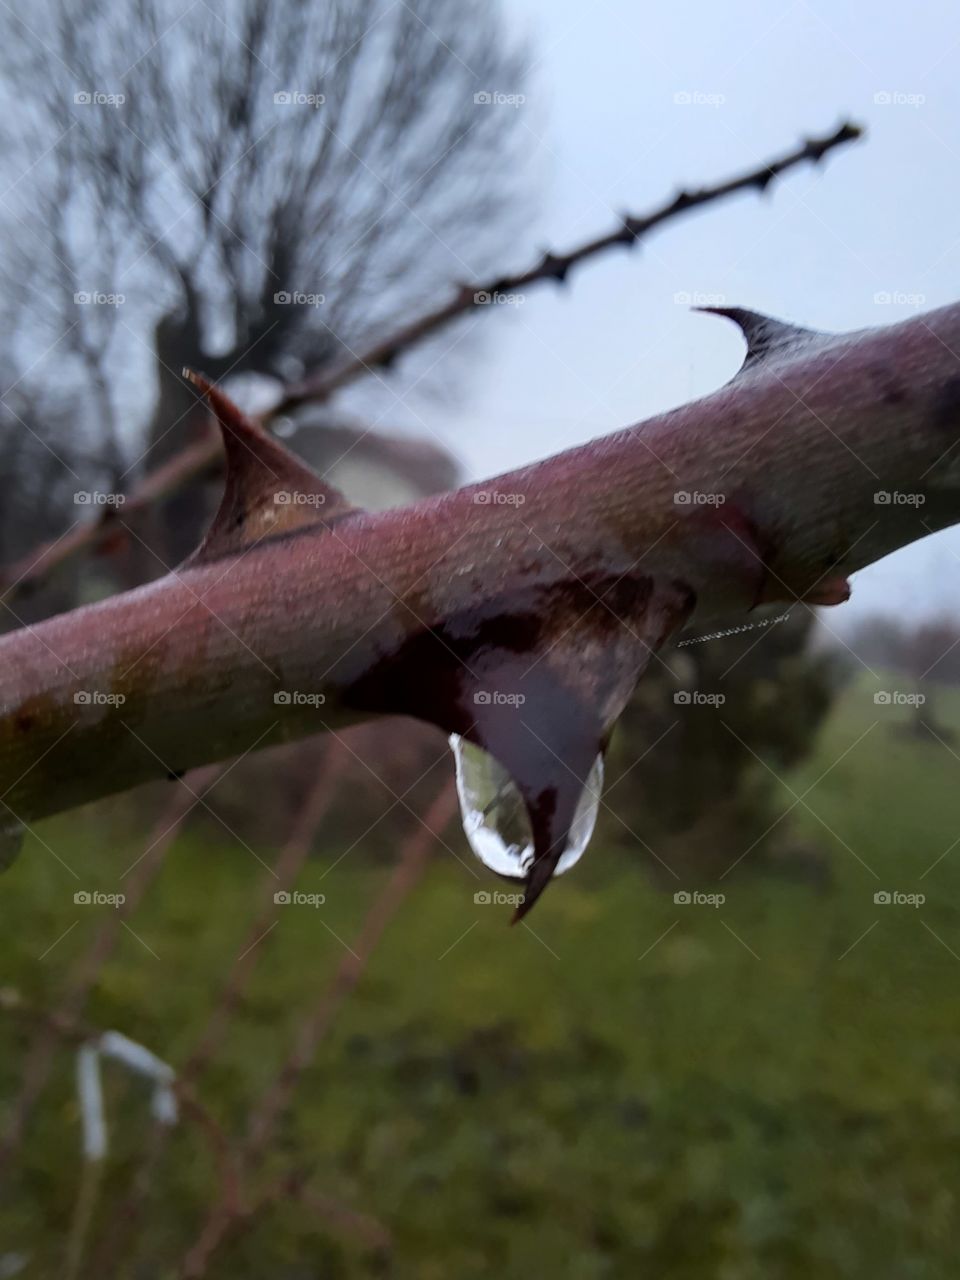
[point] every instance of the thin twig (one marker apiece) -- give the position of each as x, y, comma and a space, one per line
91, 1179
293, 855
224, 1216
553, 266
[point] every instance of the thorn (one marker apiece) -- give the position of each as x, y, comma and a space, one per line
832, 590
818, 148
230, 417
631, 229
554, 267
815, 150
764, 335
847, 132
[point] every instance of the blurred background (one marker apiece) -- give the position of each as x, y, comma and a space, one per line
268, 1019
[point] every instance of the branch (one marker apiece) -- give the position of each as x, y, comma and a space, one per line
517, 614
25, 575
557, 267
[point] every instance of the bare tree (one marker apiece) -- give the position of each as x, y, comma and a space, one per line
273, 184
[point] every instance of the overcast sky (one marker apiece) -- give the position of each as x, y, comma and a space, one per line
609, 135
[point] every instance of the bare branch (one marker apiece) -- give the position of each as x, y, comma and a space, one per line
554, 266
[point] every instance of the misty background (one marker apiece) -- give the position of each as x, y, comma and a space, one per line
822, 248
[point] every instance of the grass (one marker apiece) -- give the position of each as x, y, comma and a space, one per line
766, 1089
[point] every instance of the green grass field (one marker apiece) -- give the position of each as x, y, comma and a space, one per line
765, 1090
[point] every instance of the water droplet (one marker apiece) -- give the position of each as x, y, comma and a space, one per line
11, 842
495, 818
